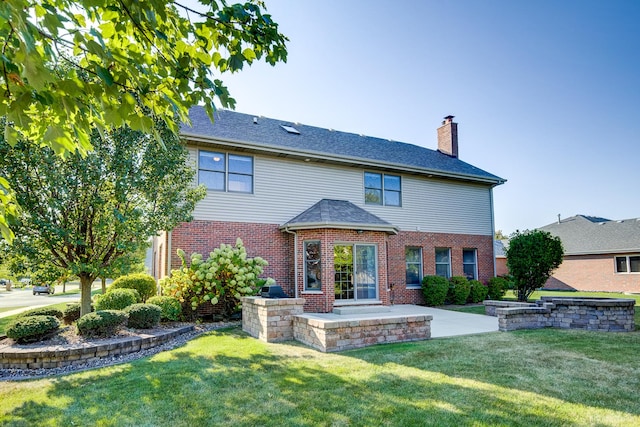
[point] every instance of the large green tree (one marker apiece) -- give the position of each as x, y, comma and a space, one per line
531, 258
70, 66
84, 212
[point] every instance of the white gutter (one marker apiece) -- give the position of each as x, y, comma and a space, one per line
343, 226
295, 259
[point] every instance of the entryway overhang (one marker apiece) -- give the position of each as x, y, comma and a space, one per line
339, 214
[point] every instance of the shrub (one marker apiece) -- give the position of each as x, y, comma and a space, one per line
143, 316
434, 289
102, 323
31, 328
478, 291
71, 313
141, 282
497, 287
42, 311
226, 276
458, 290
170, 306
117, 299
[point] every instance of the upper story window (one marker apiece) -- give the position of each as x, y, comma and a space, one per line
225, 172
382, 189
470, 263
413, 257
443, 262
628, 264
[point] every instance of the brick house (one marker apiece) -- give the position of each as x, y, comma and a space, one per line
599, 254
341, 218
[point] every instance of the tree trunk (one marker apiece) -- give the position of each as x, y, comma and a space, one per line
64, 286
104, 285
85, 293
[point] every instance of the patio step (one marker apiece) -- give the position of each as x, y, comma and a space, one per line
361, 309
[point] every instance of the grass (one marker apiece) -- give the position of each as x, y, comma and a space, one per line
3, 309
541, 377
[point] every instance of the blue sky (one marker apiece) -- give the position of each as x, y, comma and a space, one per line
546, 93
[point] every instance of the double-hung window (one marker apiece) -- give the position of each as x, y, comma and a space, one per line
382, 189
628, 264
312, 266
225, 172
470, 264
443, 262
413, 257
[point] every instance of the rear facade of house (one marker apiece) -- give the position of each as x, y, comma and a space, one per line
342, 219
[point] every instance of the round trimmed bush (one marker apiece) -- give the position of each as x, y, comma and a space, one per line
458, 290
42, 311
71, 313
117, 299
141, 282
478, 291
32, 328
170, 306
102, 323
434, 289
143, 316
497, 287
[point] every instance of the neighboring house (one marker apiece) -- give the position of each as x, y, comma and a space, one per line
599, 254
500, 251
341, 218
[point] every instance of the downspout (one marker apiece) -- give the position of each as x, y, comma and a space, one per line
168, 258
295, 260
493, 232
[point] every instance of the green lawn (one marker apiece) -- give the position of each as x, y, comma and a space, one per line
541, 377
3, 309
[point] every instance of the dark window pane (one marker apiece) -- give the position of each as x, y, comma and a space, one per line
634, 264
412, 254
391, 198
469, 271
212, 180
241, 164
469, 256
372, 180
392, 182
413, 274
442, 270
212, 161
241, 183
442, 255
621, 264
373, 196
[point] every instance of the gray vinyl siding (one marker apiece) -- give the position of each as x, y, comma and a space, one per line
284, 188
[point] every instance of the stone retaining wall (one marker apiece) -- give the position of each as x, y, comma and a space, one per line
14, 357
338, 335
270, 319
593, 314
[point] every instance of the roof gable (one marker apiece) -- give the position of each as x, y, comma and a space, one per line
260, 133
581, 234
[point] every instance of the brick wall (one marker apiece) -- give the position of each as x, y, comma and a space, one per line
263, 240
592, 273
275, 246
428, 242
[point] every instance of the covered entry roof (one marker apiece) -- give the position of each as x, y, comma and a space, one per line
338, 214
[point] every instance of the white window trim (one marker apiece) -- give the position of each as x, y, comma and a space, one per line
421, 270
226, 171
440, 263
615, 264
384, 200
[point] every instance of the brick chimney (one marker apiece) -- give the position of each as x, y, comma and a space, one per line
448, 137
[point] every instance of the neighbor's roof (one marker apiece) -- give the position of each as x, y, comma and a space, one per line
338, 214
261, 134
581, 235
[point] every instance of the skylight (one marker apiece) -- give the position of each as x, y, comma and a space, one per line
290, 129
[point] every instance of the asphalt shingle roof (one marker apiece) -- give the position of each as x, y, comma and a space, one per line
338, 214
268, 134
583, 234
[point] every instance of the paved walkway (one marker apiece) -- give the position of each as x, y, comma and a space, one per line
445, 323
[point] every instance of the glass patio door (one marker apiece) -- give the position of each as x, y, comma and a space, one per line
355, 272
